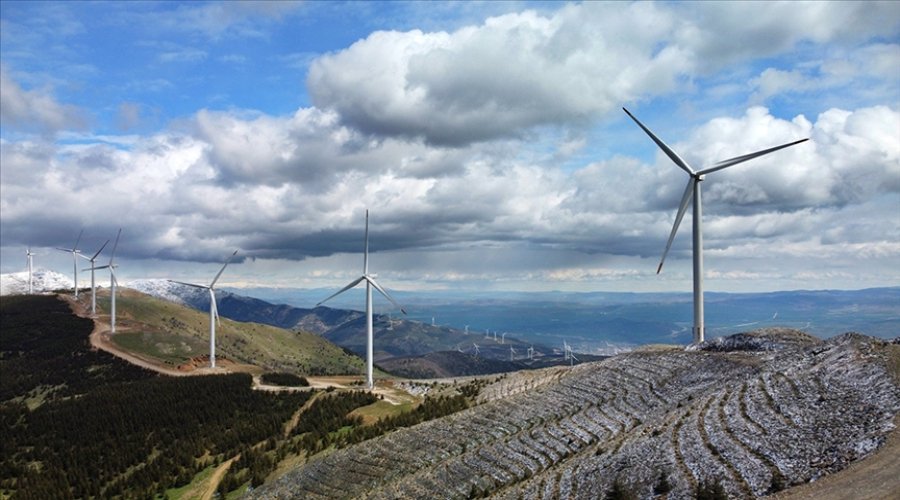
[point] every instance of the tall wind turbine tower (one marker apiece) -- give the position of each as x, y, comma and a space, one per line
113, 282
74, 250
29, 257
370, 283
213, 310
693, 191
93, 284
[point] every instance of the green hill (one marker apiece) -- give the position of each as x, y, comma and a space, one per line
174, 335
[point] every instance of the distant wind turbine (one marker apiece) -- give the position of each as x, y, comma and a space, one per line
370, 283
93, 285
503, 338
113, 282
74, 250
477, 350
29, 257
512, 353
693, 191
213, 309
531, 353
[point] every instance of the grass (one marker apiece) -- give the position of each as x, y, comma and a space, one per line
381, 409
172, 334
192, 489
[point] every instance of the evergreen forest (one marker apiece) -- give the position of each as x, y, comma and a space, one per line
80, 423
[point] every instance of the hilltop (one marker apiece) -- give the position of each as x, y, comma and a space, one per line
753, 416
174, 336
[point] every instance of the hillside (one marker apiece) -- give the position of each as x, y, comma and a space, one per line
174, 335
738, 420
395, 337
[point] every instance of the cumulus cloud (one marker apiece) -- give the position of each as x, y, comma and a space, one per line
521, 70
36, 109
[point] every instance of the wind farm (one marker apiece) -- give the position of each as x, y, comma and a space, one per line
537, 327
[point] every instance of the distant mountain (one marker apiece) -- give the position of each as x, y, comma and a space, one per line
42, 280
604, 322
346, 328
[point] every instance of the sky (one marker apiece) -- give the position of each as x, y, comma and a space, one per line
486, 139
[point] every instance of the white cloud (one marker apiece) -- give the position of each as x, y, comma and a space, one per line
36, 109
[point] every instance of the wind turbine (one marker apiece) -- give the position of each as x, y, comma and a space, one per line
113, 282
477, 350
503, 338
693, 190
512, 353
531, 353
29, 257
93, 286
370, 283
74, 250
467, 330
213, 310
566, 350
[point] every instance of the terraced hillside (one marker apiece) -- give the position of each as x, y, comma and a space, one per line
649, 423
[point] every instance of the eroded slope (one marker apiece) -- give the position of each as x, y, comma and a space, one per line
753, 421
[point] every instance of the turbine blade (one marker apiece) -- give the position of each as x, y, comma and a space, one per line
179, 282
383, 292
342, 290
115, 245
366, 254
740, 159
227, 261
96, 268
666, 149
78, 240
98, 251
685, 200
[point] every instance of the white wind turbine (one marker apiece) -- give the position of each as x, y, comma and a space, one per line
213, 309
370, 283
113, 282
693, 191
477, 350
93, 283
75, 252
512, 353
29, 257
531, 353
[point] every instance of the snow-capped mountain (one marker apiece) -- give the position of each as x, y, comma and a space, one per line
42, 280
173, 292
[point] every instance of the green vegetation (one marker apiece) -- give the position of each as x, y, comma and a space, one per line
172, 334
101, 427
128, 433
284, 379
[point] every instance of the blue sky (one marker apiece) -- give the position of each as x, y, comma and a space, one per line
487, 139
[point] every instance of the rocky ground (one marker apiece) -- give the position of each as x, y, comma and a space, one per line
755, 414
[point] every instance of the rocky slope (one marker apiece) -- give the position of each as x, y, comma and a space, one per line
753, 416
